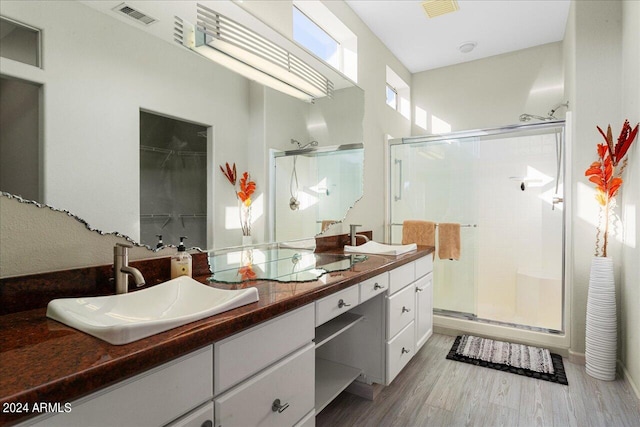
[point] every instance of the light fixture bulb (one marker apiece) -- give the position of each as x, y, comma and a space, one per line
467, 47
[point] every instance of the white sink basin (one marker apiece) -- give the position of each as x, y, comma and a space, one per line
121, 319
376, 248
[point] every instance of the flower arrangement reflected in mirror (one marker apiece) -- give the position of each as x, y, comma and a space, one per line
247, 188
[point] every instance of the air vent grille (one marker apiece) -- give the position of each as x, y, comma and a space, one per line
435, 8
134, 14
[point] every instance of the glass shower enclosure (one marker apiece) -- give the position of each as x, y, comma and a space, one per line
505, 188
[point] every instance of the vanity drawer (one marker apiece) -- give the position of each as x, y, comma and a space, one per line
330, 307
152, 398
374, 286
424, 266
251, 403
399, 351
238, 357
401, 277
400, 310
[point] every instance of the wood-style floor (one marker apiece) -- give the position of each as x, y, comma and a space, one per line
433, 391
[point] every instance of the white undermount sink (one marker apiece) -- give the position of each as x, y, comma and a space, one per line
121, 319
376, 248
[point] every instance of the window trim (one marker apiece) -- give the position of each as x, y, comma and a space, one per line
339, 46
345, 58
38, 31
397, 97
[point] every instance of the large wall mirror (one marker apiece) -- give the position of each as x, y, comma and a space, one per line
126, 117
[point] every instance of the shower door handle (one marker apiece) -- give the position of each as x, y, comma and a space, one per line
555, 201
399, 196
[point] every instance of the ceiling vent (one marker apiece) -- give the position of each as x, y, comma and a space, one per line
435, 8
132, 13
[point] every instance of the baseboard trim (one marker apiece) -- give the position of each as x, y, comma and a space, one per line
629, 379
577, 358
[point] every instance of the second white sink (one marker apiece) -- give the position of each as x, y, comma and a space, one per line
376, 248
121, 319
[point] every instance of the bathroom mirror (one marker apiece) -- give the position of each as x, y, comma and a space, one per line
101, 70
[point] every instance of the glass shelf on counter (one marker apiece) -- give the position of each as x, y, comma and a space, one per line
272, 262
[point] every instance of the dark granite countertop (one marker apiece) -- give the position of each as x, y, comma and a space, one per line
42, 360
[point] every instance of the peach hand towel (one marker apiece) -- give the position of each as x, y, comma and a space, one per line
326, 223
449, 241
419, 232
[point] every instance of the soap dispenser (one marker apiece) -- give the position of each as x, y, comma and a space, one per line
181, 261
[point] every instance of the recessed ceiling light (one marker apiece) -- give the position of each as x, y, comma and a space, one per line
467, 47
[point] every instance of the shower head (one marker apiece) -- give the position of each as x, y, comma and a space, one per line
550, 115
554, 109
302, 147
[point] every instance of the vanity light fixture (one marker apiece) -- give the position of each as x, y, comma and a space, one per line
240, 49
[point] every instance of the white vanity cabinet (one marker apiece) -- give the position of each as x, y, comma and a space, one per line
424, 300
265, 376
153, 398
396, 313
409, 313
400, 319
424, 309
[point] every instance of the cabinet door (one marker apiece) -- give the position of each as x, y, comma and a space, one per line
424, 309
281, 395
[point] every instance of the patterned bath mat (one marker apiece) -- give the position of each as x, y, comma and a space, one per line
519, 359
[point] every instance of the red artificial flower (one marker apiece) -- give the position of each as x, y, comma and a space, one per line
230, 173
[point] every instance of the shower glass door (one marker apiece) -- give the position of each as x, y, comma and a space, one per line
504, 186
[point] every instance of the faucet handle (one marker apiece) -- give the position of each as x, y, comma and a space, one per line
121, 248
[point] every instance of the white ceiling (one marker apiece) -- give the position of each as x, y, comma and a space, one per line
497, 26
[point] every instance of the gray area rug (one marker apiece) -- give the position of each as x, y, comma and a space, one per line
519, 359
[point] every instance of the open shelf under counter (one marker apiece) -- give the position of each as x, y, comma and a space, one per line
334, 327
331, 379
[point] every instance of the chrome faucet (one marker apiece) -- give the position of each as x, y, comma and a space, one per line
121, 269
353, 237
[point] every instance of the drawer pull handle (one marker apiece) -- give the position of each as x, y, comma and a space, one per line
419, 290
405, 309
404, 350
278, 406
207, 423
376, 287
341, 304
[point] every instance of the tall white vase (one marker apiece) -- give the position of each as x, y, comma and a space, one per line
601, 321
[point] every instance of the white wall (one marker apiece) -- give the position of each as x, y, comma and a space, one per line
491, 92
97, 76
630, 201
597, 89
